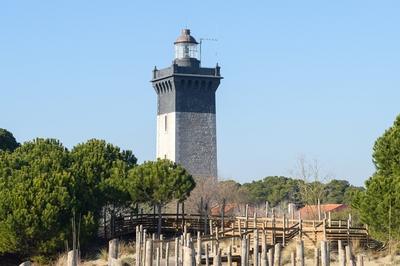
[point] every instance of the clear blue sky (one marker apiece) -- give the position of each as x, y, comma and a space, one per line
318, 78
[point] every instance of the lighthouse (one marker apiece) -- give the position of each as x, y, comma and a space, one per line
186, 109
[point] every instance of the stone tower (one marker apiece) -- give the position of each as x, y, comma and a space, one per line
186, 125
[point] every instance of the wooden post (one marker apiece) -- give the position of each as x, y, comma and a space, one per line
255, 248
138, 244
182, 243
324, 258
211, 233
158, 257
243, 253
161, 247
166, 254
316, 256
300, 253
264, 259
360, 260
255, 219
247, 217
329, 219
144, 246
188, 256
293, 258
341, 255
201, 214
233, 233
324, 228
300, 228
188, 239
319, 210
149, 253
349, 257
348, 232
273, 227
176, 251
277, 255
112, 250
328, 252
229, 255
292, 209
271, 257
283, 231
206, 218
72, 259
216, 248
239, 227
207, 255
198, 254
266, 209
217, 258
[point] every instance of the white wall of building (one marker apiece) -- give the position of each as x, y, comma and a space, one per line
166, 136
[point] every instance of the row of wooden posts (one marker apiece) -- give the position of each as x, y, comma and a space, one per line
113, 225
204, 250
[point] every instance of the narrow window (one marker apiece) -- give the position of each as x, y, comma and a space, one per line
165, 123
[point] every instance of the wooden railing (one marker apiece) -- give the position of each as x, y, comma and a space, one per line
277, 230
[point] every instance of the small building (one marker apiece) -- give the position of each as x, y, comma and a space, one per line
231, 209
310, 212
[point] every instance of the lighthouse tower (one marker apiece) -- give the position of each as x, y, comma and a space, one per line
186, 124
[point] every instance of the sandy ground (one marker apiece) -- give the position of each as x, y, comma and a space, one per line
367, 262
128, 257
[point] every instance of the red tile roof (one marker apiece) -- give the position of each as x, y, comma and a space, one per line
229, 209
311, 211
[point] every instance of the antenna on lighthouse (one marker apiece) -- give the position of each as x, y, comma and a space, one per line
200, 43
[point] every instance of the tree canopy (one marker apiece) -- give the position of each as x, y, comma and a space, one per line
35, 197
274, 189
99, 170
279, 189
42, 185
379, 204
7, 140
159, 182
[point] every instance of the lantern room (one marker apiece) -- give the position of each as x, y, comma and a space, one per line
186, 46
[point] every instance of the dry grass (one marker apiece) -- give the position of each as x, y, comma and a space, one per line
287, 251
61, 260
103, 254
127, 248
128, 261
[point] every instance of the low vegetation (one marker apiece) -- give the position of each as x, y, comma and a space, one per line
43, 185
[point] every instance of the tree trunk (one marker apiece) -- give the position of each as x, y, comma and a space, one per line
183, 214
159, 220
154, 217
177, 215
105, 222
